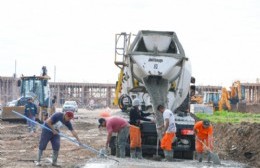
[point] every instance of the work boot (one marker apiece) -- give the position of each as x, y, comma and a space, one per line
34, 130
55, 158
139, 153
117, 150
29, 129
199, 157
132, 153
165, 155
169, 156
38, 161
208, 157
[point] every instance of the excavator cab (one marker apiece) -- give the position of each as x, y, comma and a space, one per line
36, 87
212, 98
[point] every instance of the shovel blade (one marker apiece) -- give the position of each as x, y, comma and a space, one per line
215, 158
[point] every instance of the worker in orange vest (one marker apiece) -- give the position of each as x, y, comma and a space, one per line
169, 130
136, 116
204, 138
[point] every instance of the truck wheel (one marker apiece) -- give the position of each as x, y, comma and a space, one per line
124, 102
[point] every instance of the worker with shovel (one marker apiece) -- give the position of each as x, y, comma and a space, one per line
204, 139
169, 129
136, 116
53, 124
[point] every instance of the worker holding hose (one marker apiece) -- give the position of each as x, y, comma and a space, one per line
50, 132
204, 135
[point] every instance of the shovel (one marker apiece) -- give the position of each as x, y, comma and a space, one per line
213, 155
157, 157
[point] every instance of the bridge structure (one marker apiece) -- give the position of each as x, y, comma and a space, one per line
252, 92
85, 94
99, 94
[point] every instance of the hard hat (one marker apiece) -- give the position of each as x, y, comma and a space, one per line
206, 123
136, 102
100, 121
29, 98
105, 114
70, 114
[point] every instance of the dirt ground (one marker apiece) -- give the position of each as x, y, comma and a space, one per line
19, 149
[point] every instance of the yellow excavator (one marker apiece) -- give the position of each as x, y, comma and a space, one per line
231, 99
224, 100
35, 87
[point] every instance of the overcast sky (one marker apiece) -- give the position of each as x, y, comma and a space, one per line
221, 37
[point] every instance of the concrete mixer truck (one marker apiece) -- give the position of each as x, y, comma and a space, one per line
154, 69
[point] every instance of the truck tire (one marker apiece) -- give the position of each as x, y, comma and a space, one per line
124, 102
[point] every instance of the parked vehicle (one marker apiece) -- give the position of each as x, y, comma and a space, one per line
70, 106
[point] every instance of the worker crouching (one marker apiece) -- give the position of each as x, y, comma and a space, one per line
136, 116
204, 136
121, 127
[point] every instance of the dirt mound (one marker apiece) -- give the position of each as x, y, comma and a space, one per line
239, 142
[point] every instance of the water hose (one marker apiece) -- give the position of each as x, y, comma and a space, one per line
100, 153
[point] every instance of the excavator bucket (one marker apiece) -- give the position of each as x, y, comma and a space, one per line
7, 113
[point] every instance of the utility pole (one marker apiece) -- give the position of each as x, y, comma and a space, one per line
54, 73
14, 82
15, 69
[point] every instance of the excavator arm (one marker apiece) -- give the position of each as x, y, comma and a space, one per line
118, 87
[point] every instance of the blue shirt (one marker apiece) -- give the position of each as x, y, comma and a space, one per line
59, 116
30, 110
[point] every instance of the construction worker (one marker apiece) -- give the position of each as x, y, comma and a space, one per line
45, 116
53, 123
30, 111
169, 129
116, 125
53, 105
204, 138
136, 116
